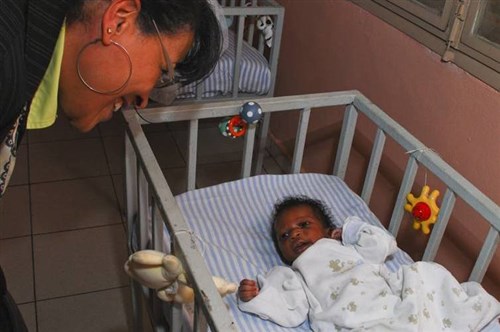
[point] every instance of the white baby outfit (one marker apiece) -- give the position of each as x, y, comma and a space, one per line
345, 286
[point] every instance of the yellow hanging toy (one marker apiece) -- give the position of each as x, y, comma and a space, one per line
423, 208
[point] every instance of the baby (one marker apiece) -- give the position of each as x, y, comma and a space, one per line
338, 280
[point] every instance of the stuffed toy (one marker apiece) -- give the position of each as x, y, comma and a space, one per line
266, 25
165, 274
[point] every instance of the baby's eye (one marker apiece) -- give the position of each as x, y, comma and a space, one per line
284, 236
304, 224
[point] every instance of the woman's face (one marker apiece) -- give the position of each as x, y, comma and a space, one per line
106, 68
296, 230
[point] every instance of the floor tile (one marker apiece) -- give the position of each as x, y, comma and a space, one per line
15, 212
119, 186
155, 128
114, 127
74, 204
20, 174
16, 262
67, 160
283, 161
176, 179
165, 149
212, 146
211, 174
60, 130
75, 262
115, 153
104, 311
184, 125
271, 166
29, 315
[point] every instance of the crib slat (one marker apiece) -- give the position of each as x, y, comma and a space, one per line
199, 321
345, 142
130, 188
192, 154
131, 191
485, 256
157, 312
371, 173
440, 226
175, 317
264, 129
260, 44
239, 50
143, 191
275, 49
246, 166
251, 26
157, 229
300, 140
404, 189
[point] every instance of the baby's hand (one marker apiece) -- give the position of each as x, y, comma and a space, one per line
248, 290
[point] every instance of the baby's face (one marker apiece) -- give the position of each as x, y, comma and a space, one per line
296, 230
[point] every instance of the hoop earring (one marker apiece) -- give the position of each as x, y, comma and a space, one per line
104, 92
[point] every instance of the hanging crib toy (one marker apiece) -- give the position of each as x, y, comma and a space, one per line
236, 126
423, 208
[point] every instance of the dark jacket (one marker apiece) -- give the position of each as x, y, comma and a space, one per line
28, 33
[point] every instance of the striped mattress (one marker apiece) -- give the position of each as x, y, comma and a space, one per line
231, 225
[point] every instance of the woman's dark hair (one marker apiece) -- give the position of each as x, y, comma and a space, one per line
172, 16
320, 210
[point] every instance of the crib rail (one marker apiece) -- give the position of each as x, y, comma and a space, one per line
355, 103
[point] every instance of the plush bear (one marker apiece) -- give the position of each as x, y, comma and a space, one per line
266, 25
165, 274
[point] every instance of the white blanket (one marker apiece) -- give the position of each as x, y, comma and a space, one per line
345, 286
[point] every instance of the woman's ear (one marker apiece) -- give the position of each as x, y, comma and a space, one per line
118, 17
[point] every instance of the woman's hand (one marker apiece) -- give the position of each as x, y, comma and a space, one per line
248, 290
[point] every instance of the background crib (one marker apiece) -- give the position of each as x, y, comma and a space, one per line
147, 189
248, 64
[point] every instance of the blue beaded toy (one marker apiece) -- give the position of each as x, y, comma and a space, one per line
251, 112
236, 126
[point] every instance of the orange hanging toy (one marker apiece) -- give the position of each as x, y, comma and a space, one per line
423, 208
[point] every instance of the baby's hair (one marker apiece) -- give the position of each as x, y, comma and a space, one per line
319, 208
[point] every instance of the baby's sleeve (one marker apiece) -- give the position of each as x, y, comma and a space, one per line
281, 298
373, 243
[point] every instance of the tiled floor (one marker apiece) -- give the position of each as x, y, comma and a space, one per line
62, 233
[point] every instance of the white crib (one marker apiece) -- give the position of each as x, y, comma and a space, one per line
151, 202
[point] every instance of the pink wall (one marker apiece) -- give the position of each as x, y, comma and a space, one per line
336, 45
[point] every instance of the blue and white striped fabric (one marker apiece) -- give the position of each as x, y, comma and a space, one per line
232, 222
255, 74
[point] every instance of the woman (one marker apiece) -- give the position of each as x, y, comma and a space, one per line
89, 58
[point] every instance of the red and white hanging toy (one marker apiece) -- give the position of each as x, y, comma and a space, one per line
423, 208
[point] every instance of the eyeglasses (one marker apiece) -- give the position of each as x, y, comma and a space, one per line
167, 76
